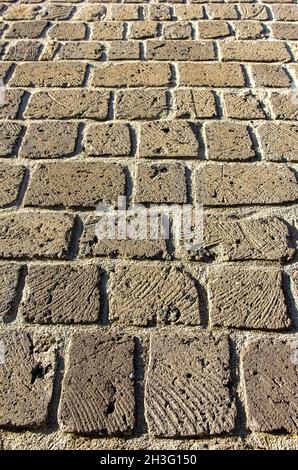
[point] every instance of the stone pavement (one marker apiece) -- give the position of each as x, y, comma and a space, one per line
148, 344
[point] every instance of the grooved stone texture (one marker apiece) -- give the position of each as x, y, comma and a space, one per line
148, 225
187, 390
99, 397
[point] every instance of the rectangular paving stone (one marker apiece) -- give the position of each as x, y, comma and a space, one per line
170, 139
63, 104
180, 50
99, 398
75, 184
52, 293
213, 29
250, 298
135, 74
93, 245
49, 140
108, 140
26, 29
107, 30
222, 12
288, 31
26, 378
244, 105
11, 178
285, 105
285, 12
187, 388
226, 184
49, 74
10, 133
92, 50
23, 51
160, 183
235, 239
228, 141
250, 51
68, 31
124, 50
269, 370
10, 104
9, 277
138, 104
35, 235
177, 30
279, 141
143, 29
248, 29
144, 295
186, 12
195, 104
211, 75
270, 75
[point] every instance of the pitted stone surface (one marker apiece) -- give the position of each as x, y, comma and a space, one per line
100, 397
187, 386
26, 376
143, 295
270, 374
188, 110
247, 298
52, 294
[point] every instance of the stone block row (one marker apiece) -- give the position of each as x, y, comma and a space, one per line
146, 295
221, 141
165, 12
114, 31
83, 184
189, 386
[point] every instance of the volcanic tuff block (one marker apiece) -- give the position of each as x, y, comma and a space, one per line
269, 368
134, 74
11, 177
180, 50
270, 75
284, 106
168, 103
234, 239
145, 295
247, 298
108, 140
223, 185
26, 30
60, 104
10, 104
26, 381
9, 276
250, 51
35, 235
52, 294
195, 103
211, 75
187, 385
92, 246
228, 141
9, 136
244, 106
160, 183
109, 375
141, 104
279, 141
74, 184
50, 74
174, 139
49, 140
